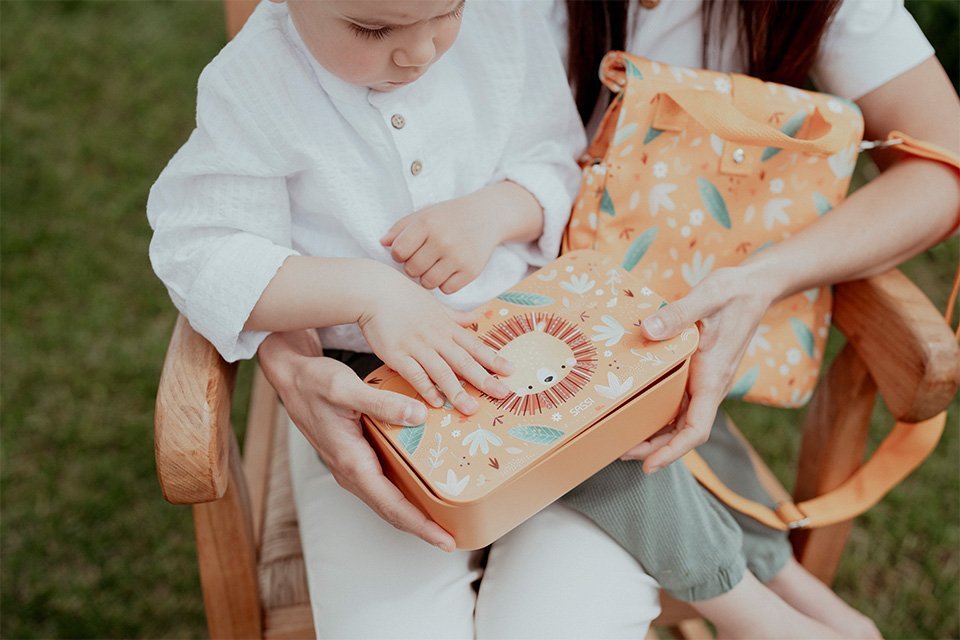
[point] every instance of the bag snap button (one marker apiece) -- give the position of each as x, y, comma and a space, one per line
739, 155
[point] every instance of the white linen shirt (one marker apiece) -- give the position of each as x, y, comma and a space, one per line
288, 159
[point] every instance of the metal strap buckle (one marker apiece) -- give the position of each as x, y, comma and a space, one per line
866, 145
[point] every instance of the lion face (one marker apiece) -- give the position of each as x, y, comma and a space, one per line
553, 360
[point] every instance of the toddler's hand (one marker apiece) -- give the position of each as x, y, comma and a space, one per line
446, 245
417, 337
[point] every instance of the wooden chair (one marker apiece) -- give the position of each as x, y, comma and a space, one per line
248, 546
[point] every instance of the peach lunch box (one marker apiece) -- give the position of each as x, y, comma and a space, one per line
586, 387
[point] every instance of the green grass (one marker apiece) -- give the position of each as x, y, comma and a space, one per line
96, 96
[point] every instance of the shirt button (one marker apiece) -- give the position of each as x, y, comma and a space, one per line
397, 121
416, 167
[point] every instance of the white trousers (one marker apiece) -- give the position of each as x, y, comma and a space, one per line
555, 576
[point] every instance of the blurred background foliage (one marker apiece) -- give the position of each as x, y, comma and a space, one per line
96, 96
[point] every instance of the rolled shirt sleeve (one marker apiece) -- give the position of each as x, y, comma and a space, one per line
220, 213
546, 140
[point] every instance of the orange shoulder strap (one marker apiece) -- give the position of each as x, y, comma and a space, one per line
903, 450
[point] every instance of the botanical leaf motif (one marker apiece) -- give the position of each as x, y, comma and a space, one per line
624, 133
652, 134
803, 334
632, 70
481, 439
660, 197
606, 204
758, 340
790, 127
714, 202
697, 269
410, 438
611, 330
842, 164
821, 203
638, 248
525, 299
773, 212
453, 486
578, 284
614, 387
716, 143
743, 385
536, 434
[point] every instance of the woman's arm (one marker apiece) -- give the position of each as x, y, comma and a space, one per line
910, 207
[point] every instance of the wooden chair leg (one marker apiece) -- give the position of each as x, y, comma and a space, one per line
228, 558
834, 440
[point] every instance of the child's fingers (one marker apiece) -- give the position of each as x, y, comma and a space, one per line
455, 282
423, 259
482, 353
437, 274
464, 364
394, 231
408, 242
413, 373
447, 382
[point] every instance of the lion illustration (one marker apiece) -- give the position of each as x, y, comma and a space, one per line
552, 359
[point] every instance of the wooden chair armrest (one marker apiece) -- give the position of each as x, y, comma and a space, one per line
902, 338
192, 419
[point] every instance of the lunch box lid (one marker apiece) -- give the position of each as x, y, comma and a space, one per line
572, 332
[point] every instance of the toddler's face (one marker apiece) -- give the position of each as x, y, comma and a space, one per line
380, 44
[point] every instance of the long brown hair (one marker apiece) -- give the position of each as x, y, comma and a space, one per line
778, 39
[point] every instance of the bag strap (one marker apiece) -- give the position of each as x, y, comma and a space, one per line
902, 450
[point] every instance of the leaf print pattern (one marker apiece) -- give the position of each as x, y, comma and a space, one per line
614, 387
523, 299
714, 202
660, 197
410, 438
804, 335
821, 203
638, 248
481, 439
453, 486
611, 331
579, 284
745, 383
698, 268
606, 204
652, 134
773, 212
536, 434
790, 128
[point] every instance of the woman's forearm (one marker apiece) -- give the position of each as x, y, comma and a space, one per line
903, 212
310, 292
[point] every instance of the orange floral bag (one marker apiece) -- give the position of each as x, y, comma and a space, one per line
693, 170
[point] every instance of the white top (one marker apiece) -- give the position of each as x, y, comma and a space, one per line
288, 159
868, 43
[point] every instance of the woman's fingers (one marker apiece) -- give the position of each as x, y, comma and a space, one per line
702, 301
693, 429
447, 382
349, 391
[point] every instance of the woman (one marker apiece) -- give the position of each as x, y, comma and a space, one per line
854, 47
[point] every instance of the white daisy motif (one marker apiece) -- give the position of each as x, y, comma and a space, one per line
503, 312
455, 433
453, 486
834, 105
579, 284
758, 340
556, 417
696, 217
611, 331
607, 353
614, 387
794, 356
784, 370
722, 85
776, 185
685, 231
646, 291
482, 439
660, 170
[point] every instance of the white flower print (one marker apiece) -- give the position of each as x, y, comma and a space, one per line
660, 170
776, 185
579, 284
453, 485
614, 388
722, 85
556, 417
482, 439
445, 422
685, 231
646, 291
611, 331
758, 340
843, 163
834, 105
784, 370
696, 217
793, 356
607, 353
455, 433
503, 312
698, 268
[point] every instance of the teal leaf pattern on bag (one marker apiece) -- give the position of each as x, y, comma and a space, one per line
536, 434
606, 204
652, 134
410, 438
803, 334
714, 202
525, 299
638, 248
821, 203
744, 384
663, 303
790, 128
632, 70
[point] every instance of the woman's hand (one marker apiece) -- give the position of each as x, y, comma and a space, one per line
325, 398
728, 305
